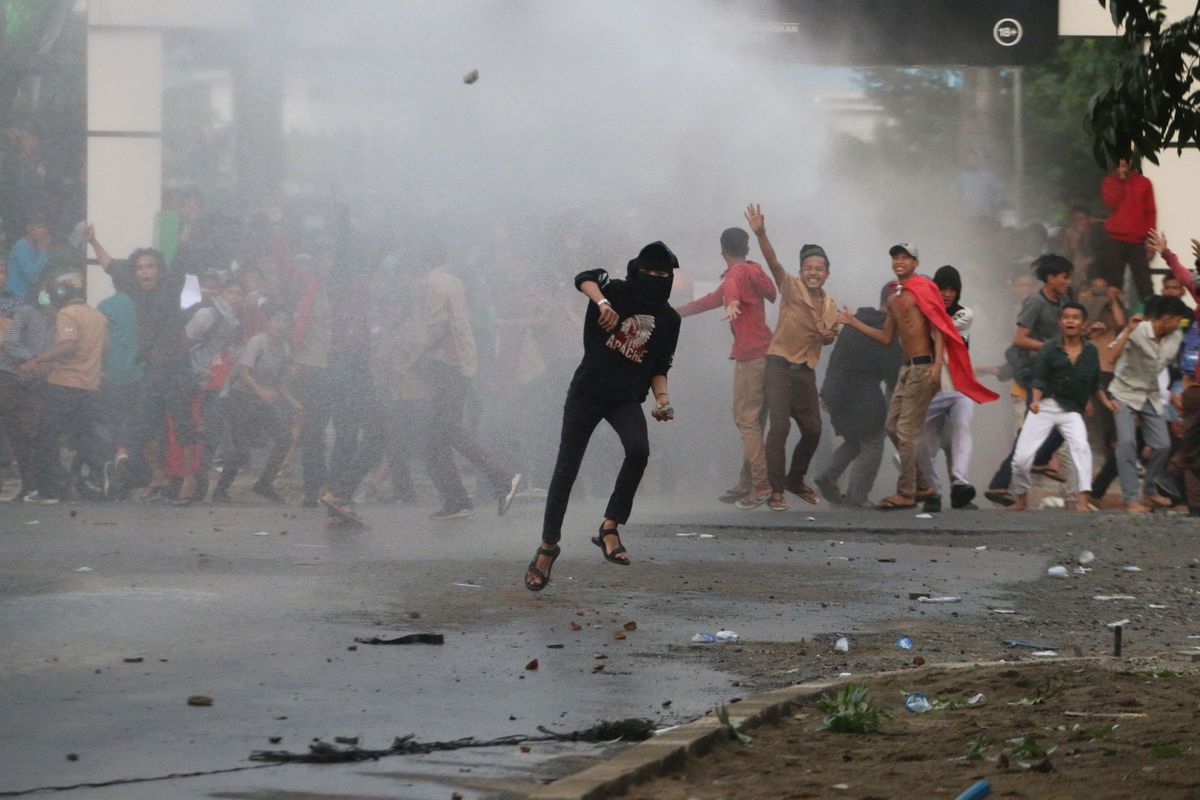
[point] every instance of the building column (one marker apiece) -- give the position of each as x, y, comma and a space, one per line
124, 141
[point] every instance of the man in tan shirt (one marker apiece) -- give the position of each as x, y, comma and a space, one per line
808, 320
69, 397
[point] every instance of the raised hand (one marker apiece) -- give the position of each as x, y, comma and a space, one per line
755, 219
1196, 249
1157, 241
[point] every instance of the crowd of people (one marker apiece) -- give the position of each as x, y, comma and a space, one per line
352, 356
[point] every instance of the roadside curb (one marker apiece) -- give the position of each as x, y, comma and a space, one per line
664, 753
655, 756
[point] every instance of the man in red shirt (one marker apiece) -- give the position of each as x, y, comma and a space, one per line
744, 287
1129, 196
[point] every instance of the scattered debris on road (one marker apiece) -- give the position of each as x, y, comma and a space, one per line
412, 638
321, 752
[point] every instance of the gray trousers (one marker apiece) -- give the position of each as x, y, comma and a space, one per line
865, 454
1155, 436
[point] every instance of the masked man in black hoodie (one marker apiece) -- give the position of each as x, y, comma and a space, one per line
629, 337
857, 407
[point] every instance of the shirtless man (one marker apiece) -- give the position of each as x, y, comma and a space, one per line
927, 337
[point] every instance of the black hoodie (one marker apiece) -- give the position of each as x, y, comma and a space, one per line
856, 368
617, 366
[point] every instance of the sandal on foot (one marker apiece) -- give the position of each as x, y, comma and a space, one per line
896, 502
1047, 471
149, 493
804, 492
616, 551
731, 496
537, 573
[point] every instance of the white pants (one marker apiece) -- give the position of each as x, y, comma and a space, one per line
957, 409
1035, 430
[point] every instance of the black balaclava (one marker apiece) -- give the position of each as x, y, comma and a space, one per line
651, 289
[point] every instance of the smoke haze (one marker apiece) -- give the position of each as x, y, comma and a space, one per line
616, 123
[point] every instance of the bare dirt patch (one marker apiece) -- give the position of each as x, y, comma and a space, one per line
1083, 729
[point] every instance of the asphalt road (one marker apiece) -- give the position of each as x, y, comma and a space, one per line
258, 607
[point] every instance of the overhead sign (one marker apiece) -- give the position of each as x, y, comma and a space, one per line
904, 32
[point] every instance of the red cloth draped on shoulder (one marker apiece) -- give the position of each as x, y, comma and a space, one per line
929, 300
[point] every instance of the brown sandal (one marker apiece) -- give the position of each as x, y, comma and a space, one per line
896, 502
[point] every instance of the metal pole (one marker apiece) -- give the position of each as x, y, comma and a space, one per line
1018, 148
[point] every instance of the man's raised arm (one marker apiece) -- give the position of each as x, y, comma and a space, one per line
883, 337
758, 224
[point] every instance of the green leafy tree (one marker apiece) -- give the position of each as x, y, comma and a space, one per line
1059, 161
29, 30
1152, 103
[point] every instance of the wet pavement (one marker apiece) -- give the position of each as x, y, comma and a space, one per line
258, 607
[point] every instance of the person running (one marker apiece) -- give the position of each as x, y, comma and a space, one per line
808, 319
743, 290
1066, 376
212, 334
24, 333
629, 337
72, 369
950, 406
165, 401
448, 361
120, 382
1145, 350
927, 337
857, 407
1037, 323
258, 402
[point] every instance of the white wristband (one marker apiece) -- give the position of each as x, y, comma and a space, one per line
603, 301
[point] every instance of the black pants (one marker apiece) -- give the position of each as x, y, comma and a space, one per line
119, 408
407, 424
581, 414
1117, 256
71, 413
314, 391
19, 423
370, 433
166, 393
352, 415
248, 419
448, 434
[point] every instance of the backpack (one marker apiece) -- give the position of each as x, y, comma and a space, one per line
1022, 365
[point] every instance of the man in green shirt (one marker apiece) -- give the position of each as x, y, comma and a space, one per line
1066, 375
120, 381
